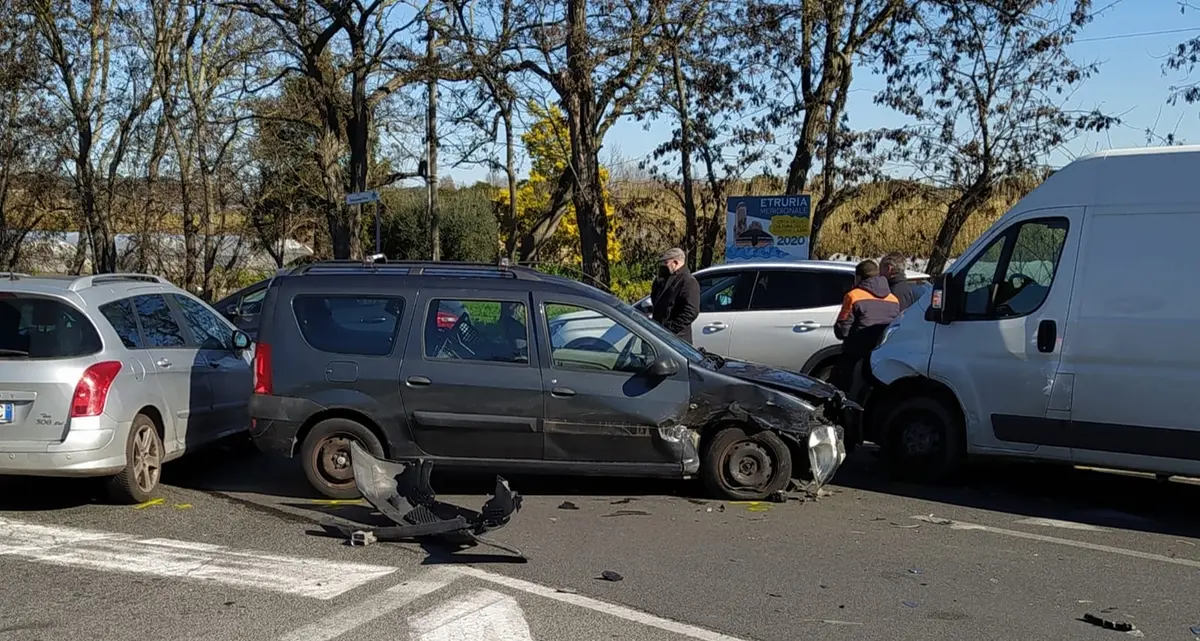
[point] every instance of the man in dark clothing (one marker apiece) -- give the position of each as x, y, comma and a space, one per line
893, 267
867, 309
675, 295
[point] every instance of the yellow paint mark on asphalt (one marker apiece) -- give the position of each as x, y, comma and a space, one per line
183, 506
151, 502
337, 501
753, 506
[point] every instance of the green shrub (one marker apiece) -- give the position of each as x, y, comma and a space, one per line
468, 225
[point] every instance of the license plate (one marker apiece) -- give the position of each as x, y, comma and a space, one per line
6, 413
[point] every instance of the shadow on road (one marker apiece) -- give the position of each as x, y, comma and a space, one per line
1100, 498
34, 494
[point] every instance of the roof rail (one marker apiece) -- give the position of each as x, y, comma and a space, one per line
422, 267
13, 275
84, 282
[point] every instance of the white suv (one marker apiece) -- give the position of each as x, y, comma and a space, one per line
775, 313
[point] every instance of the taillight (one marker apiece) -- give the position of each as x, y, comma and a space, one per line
91, 392
262, 369
446, 320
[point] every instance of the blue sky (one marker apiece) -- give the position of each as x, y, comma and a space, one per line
1130, 39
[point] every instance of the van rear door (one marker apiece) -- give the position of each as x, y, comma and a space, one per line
1001, 352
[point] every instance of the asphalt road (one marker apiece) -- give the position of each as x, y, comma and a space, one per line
230, 553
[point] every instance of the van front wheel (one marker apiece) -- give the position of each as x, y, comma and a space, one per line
925, 441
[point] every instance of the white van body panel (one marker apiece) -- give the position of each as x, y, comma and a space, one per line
1121, 387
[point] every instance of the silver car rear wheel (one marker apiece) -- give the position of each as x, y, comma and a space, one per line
143, 464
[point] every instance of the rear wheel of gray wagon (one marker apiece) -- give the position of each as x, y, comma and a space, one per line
143, 464
325, 455
745, 467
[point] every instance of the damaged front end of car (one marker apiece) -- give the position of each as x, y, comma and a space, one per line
401, 492
807, 413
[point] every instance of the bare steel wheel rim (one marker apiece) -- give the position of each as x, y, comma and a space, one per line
147, 458
922, 436
748, 465
332, 459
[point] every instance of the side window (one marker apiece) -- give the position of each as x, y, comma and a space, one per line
120, 315
585, 339
252, 302
208, 330
365, 326
1013, 275
477, 330
158, 324
725, 292
793, 289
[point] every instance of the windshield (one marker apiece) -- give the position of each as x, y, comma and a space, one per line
691, 353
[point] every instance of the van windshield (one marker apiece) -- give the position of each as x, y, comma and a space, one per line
40, 327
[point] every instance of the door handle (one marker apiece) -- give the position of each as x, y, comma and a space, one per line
418, 381
214, 364
562, 392
716, 327
164, 363
806, 325
1047, 336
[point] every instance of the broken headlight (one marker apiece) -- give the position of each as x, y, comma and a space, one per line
826, 452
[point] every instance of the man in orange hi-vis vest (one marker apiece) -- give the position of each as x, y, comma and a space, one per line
867, 309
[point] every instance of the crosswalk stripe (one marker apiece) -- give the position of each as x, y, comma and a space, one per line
482, 615
71, 547
390, 600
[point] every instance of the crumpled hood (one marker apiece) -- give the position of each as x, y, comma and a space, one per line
800, 385
876, 286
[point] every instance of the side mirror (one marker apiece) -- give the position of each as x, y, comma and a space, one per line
663, 367
645, 306
241, 340
941, 302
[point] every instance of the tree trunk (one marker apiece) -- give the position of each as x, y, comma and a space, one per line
691, 216
431, 146
547, 224
956, 216
580, 103
829, 164
358, 131
336, 217
510, 171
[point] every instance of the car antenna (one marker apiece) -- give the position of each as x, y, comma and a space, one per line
374, 259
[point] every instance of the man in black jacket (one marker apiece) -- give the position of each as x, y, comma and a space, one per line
893, 267
675, 295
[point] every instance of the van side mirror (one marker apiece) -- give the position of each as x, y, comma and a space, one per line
241, 340
941, 301
663, 367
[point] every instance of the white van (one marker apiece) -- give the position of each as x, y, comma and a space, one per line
1068, 331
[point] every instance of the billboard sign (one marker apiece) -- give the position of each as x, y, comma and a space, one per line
767, 228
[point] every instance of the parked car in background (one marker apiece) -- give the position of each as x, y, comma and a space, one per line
114, 375
456, 364
775, 313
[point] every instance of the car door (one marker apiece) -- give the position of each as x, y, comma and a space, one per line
473, 390
600, 404
1000, 354
790, 316
229, 373
179, 368
724, 295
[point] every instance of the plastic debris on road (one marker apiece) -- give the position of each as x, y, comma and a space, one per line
609, 575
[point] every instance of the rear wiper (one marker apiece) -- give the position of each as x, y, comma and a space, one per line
13, 352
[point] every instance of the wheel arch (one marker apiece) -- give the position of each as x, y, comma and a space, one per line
155, 415
342, 413
824, 356
885, 399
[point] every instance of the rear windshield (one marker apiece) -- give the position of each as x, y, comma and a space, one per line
39, 327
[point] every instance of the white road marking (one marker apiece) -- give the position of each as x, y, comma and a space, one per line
106, 551
371, 608
1137, 554
1066, 525
618, 611
482, 615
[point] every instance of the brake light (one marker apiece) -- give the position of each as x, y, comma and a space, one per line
263, 383
446, 320
91, 392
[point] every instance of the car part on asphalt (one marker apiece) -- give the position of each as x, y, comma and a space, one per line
567, 505
1119, 626
609, 575
401, 492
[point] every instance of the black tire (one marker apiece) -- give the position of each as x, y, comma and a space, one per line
924, 441
325, 456
143, 464
734, 461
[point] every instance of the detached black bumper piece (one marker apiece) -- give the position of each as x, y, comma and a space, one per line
401, 492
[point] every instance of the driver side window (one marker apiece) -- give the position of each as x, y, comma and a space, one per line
588, 340
725, 291
1013, 275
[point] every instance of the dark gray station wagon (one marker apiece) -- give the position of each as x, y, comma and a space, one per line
472, 366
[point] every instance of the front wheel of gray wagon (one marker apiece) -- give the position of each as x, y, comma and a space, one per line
745, 467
